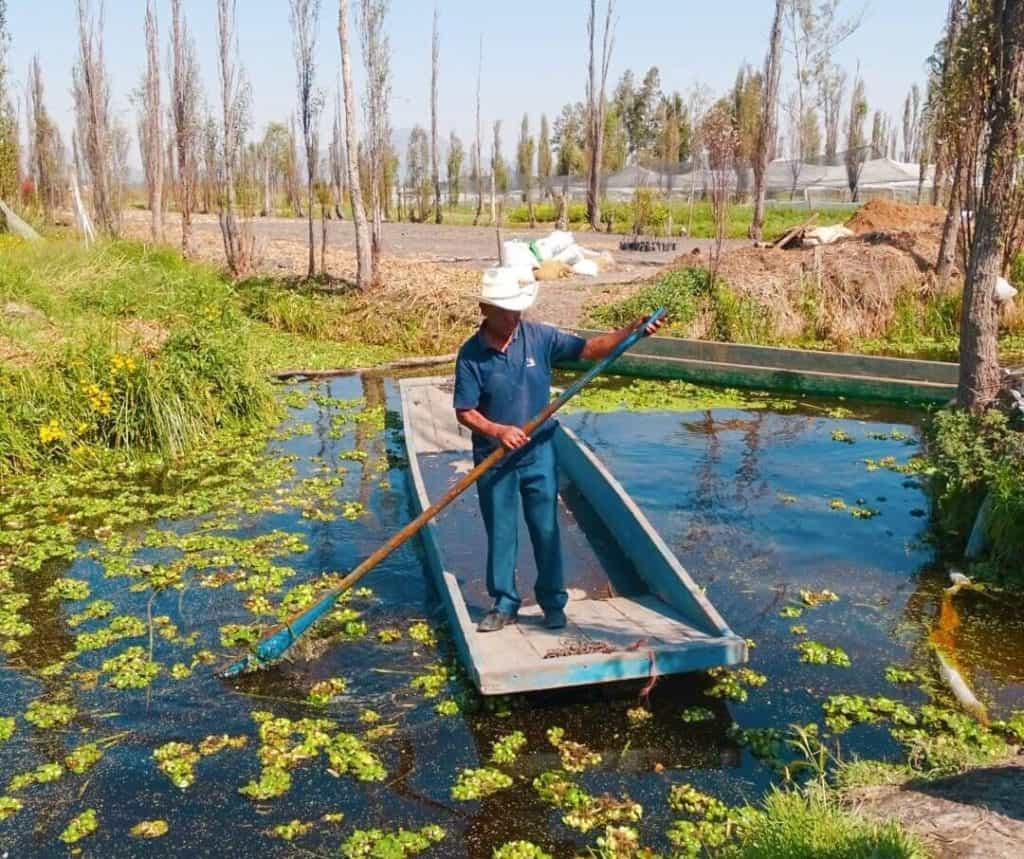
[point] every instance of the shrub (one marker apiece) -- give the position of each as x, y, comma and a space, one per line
678, 291
971, 457
795, 825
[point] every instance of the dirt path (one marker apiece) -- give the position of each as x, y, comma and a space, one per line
462, 247
976, 815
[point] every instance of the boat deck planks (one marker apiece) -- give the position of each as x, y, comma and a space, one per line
615, 638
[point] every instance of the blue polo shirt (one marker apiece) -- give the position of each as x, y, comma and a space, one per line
512, 387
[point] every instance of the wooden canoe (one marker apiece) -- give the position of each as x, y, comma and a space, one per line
799, 371
634, 612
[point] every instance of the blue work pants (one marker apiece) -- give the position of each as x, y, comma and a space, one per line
500, 491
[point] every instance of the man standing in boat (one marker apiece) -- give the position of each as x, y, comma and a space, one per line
502, 381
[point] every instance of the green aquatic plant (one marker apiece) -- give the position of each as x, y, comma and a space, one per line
378, 844
506, 749
80, 826
388, 635
478, 783
67, 589
798, 629
791, 611
215, 743
842, 436
291, 830
121, 627
638, 716
837, 504
815, 598
686, 799
581, 810
346, 753
732, 684
450, 707
178, 762
131, 669
7, 726
431, 681
42, 774
49, 714
149, 829
843, 711
816, 653
575, 757
9, 805
272, 783
520, 850
697, 714
83, 758
326, 691
864, 512
897, 675
764, 743
422, 633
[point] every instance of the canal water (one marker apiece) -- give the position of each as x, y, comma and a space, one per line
758, 504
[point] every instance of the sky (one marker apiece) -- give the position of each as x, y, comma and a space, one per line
534, 52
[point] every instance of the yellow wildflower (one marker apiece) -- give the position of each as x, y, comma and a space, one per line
51, 432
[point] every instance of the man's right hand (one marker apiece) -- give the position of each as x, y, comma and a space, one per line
511, 437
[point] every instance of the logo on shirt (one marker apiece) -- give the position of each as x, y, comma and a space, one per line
530, 362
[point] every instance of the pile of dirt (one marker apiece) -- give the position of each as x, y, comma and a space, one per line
842, 291
888, 216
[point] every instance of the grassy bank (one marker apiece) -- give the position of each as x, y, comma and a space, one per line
132, 348
909, 322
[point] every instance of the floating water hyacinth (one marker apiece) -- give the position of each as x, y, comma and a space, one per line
178, 762
816, 653
149, 829
83, 758
478, 783
84, 824
373, 843
506, 749
49, 714
520, 850
575, 757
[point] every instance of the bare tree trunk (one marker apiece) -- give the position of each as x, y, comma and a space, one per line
364, 263
377, 58
769, 111
479, 154
596, 108
91, 91
950, 230
184, 108
435, 57
268, 197
323, 239
233, 96
305, 16
153, 148
979, 326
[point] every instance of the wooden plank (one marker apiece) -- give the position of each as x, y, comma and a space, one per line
790, 233
777, 357
657, 619
606, 668
653, 560
431, 418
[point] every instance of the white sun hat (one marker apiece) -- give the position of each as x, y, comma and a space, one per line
507, 288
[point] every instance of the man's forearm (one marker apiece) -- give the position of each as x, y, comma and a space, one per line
602, 345
473, 420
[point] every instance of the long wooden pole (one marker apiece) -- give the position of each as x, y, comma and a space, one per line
274, 646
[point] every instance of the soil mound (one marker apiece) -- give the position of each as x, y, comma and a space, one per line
887, 216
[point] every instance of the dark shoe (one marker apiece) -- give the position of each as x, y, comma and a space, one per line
554, 618
495, 620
